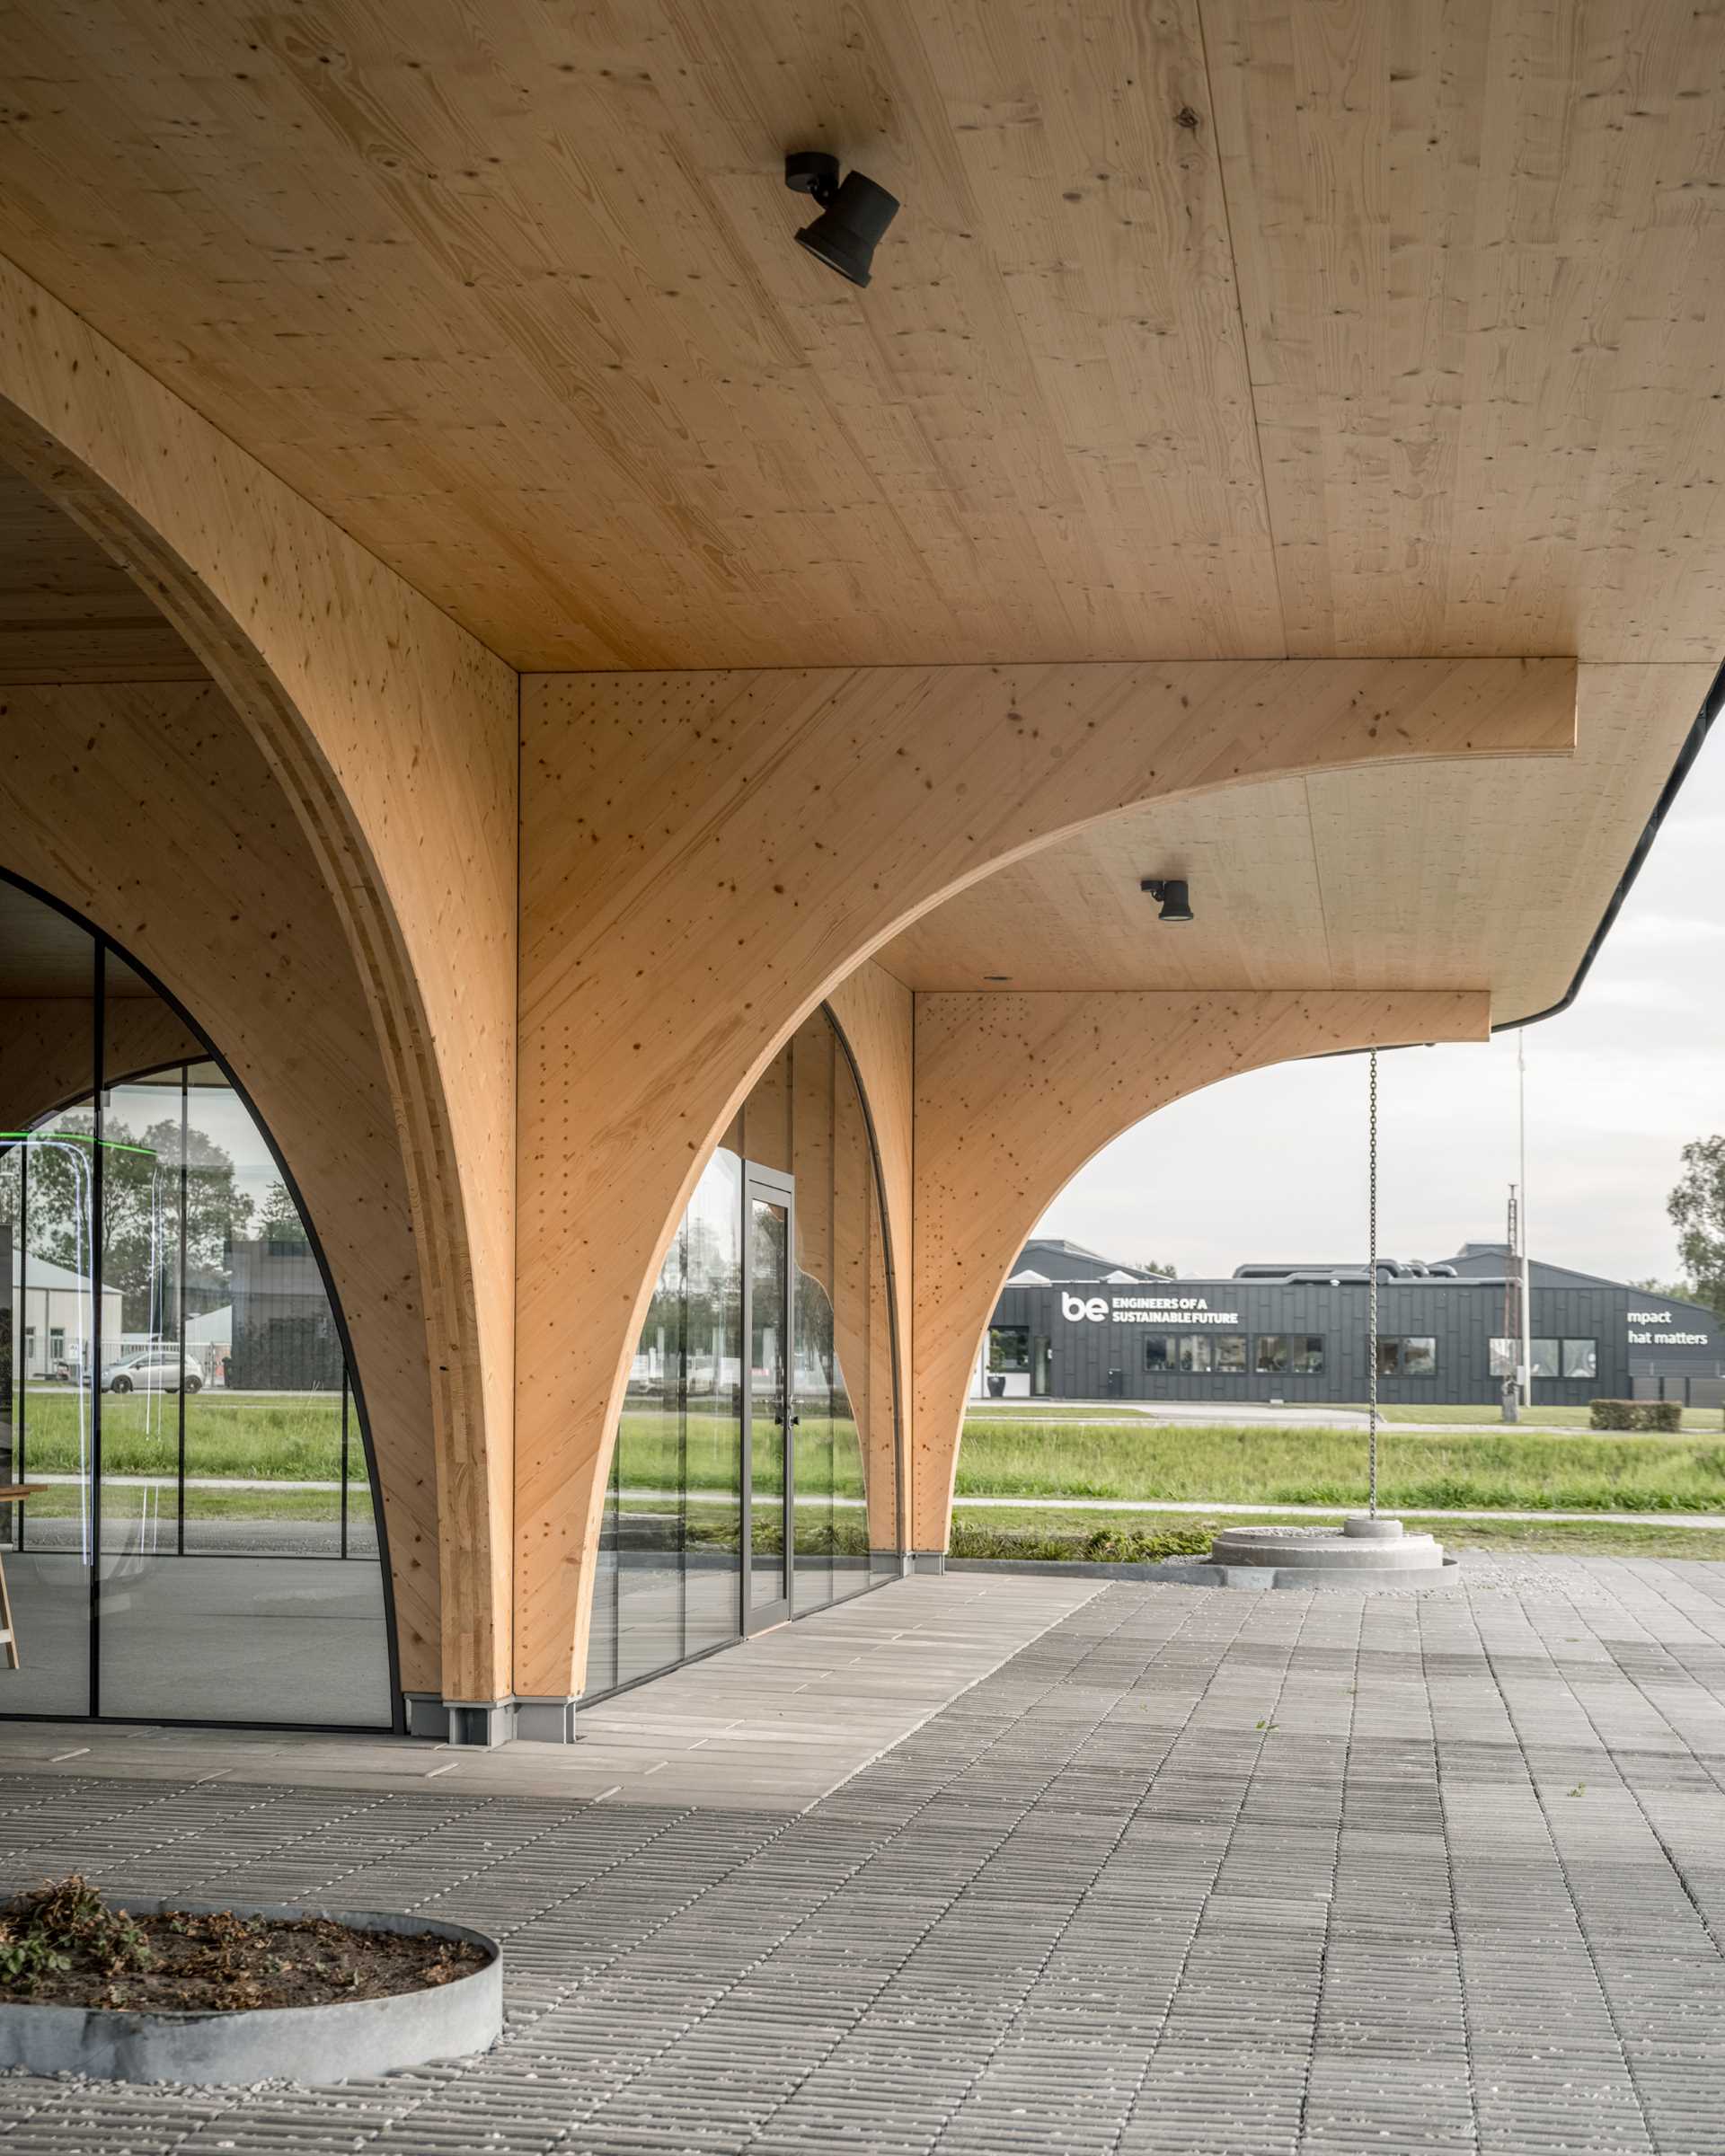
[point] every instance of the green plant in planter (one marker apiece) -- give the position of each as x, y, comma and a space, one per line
41, 1931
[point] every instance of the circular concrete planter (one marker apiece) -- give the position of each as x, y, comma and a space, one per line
1368, 1556
348, 2040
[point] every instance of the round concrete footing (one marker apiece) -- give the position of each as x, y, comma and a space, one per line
1367, 1555
348, 2040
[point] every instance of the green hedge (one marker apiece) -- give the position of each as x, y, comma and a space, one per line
1096, 1546
1637, 1414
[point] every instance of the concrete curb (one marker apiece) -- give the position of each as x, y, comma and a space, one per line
1058, 1567
347, 2040
1194, 1572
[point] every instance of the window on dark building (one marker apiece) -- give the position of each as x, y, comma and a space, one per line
1411, 1355
1009, 1348
1290, 1354
1158, 1351
1195, 1350
1547, 1357
1230, 1348
1506, 1356
1580, 1358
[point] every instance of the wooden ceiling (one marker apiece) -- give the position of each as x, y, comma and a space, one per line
1441, 876
66, 612
1224, 328
45, 956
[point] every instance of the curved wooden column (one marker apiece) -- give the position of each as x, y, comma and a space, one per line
1014, 1093
706, 855
219, 895
392, 734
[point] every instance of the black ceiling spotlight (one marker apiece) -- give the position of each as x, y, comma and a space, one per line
1171, 891
855, 213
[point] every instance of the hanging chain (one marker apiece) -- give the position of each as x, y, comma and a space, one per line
1371, 1301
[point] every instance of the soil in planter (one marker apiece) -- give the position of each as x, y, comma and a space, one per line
61, 1945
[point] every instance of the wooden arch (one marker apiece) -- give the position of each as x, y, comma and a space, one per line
1015, 1093
391, 735
707, 856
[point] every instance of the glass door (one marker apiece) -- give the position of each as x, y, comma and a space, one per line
49, 1176
769, 1424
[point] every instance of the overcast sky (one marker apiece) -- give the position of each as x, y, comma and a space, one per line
1272, 1165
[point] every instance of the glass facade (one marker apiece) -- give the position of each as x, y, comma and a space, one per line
755, 1469
202, 1542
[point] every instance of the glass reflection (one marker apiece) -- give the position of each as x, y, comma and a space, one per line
712, 1424
769, 1406
174, 1374
48, 1552
674, 1577
651, 1476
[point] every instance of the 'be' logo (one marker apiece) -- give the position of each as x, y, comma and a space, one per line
1074, 1307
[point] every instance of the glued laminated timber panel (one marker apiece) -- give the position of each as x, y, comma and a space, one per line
1451, 875
1224, 328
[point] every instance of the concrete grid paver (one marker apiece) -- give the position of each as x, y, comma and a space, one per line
1192, 1874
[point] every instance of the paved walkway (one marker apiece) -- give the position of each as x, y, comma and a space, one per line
1193, 1872
772, 1724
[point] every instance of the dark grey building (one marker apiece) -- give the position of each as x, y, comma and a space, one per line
1054, 1259
284, 1338
1446, 1333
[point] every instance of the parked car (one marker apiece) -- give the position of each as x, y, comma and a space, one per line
155, 1369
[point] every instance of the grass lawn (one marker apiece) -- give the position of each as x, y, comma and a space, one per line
1142, 1534
1696, 1420
276, 1439
1518, 1469
271, 1502
1064, 1451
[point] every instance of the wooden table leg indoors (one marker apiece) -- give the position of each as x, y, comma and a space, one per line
14, 1493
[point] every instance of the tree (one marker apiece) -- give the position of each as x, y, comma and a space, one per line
1159, 1266
140, 1202
1697, 1209
1667, 1291
279, 1220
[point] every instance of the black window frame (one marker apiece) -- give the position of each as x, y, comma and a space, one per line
1306, 1361
1016, 1369
1589, 1376
1400, 1343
